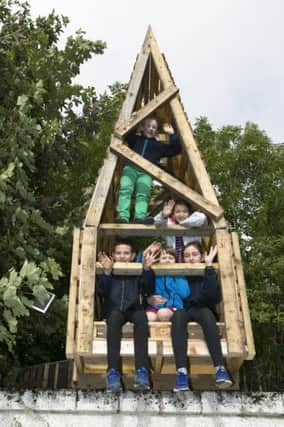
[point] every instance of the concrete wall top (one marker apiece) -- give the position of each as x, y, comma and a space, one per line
86, 408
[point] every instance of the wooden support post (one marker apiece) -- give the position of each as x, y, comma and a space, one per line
168, 180
145, 111
72, 305
243, 297
231, 314
87, 291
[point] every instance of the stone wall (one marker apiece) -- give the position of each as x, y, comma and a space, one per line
71, 408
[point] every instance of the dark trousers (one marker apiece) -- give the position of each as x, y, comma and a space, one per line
115, 322
206, 318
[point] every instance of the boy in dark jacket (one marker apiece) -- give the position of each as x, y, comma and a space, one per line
134, 178
121, 295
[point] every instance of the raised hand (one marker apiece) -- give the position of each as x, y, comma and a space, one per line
106, 261
168, 208
208, 258
168, 129
151, 255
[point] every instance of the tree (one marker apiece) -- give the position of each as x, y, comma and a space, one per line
248, 173
49, 126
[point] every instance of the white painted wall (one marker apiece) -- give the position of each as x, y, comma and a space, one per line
71, 408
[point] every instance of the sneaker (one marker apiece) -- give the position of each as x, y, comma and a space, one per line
141, 379
148, 220
223, 379
113, 382
181, 382
120, 220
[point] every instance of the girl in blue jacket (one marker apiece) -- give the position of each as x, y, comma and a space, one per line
172, 290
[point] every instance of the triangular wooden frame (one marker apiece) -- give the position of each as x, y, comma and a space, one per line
205, 200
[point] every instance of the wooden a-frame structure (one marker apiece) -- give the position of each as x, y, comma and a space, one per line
152, 90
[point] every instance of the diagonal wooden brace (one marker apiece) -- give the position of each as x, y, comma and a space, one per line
145, 111
168, 180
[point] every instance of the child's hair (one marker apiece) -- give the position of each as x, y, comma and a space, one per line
170, 251
183, 203
122, 242
197, 245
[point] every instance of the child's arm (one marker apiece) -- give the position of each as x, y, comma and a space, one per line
196, 219
150, 256
104, 280
174, 147
162, 217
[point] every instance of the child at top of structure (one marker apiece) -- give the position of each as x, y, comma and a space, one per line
172, 290
178, 212
134, 178
121, 303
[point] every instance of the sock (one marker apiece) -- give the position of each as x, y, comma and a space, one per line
182, 370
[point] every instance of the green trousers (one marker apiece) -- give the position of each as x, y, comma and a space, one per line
133, 178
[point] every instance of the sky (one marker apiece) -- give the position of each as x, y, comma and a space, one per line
226, 56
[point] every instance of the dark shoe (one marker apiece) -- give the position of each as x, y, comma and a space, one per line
141, 379
181, 382
120, 220
148, 220
113, 381
223, 379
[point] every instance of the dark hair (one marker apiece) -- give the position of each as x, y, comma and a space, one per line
197, 245
151, 118
183, 203
123, 242
170, 251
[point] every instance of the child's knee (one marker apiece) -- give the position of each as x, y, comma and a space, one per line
165, 314
152, 317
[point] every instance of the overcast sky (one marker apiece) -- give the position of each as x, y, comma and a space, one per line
226, 56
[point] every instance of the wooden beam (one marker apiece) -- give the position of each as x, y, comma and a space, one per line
177, 269
231, 314
72, 304
86, 291
105, 177
145, 111
243, 296
153, 230
168, 180
184, 129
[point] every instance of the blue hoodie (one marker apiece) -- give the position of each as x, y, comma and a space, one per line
174, 288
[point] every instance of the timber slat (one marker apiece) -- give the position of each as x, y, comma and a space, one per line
177, 269
154, 230
72, 304
243, 297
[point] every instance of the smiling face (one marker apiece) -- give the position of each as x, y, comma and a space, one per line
167, 258
192, 254
180, 212
123, 253
150, 128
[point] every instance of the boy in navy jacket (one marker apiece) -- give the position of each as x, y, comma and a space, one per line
122, 303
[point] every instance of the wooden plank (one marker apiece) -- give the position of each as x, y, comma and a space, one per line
72, 304
243, 296
157, 330
168, 180
154, 230
177, 269
86, 291
100, 193
145, 111
231, 314
183, 126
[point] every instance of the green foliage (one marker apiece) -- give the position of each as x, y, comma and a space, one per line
53, 137
248, 173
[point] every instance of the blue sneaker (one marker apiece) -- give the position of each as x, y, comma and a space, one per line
141, 379
223, 379
181, 382
113, 381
